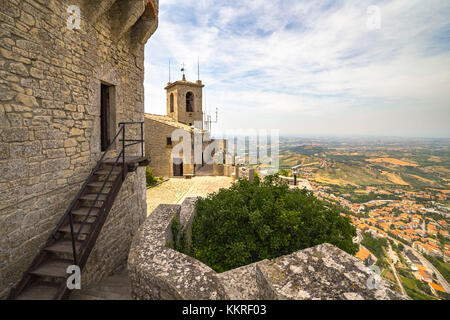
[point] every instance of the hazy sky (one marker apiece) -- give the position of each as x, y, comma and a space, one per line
310, 67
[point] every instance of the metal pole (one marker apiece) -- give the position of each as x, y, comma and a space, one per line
74, 249
142, 138
123, 152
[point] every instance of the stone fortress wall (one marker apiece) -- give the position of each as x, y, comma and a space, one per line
321, 272
50, 79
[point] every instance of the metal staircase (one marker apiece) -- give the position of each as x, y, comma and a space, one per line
76, 233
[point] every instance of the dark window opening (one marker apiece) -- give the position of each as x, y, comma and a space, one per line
189, 102
169, 141
105, 107
171, 102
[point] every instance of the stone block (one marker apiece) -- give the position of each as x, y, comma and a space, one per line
55, 165
25, 150
15, 134
4, 151
18, 68
28, 101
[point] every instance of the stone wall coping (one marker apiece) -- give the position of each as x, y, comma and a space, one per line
322, 272
163, 272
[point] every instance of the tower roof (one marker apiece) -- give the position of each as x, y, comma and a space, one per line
183, 82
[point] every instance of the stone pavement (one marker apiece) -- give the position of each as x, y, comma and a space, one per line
175, 190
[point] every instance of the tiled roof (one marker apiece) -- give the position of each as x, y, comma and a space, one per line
170, 122
363, 254
437, 287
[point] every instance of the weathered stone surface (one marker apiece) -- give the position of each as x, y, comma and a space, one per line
18, 68
324, 272
50, 79
245, 283
4, 151
159, 272
6, 94
25, 150
15, 134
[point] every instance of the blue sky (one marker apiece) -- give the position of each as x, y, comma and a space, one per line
309, 67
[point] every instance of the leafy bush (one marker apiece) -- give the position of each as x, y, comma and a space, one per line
258, 220
149, 177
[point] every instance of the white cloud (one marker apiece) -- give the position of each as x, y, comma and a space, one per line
278, 64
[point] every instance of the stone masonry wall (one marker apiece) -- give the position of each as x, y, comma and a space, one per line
160, 154
50, 80
156, 148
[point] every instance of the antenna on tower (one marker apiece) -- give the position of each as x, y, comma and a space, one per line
209, 121
198, 68
182, 70
169, 70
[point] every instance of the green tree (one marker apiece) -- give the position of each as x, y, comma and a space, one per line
258, 220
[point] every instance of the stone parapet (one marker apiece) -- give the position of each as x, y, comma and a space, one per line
323, 272
159, 272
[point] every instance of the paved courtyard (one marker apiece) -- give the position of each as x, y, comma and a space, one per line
175, 190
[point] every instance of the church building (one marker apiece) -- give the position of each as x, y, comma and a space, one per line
183, 125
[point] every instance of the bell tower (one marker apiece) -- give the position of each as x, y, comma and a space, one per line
184, 101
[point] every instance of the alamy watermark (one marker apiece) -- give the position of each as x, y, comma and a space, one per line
74, 19
373, 18
374, 281
252, 147
74, 280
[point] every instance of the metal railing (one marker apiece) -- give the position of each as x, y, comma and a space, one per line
68, 213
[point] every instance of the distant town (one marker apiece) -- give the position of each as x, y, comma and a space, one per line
396, 195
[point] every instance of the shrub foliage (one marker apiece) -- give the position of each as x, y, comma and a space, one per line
149, 177
259, 220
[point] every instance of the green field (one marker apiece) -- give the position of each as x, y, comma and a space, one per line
443, 268
417, 165
415, 288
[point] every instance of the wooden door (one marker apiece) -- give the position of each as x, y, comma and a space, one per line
104, 117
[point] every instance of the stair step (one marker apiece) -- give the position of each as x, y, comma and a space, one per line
39, 291
99, 184
76, 227
106, 172
83, 211
63, 246
93, 196
34, 284
53, 268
